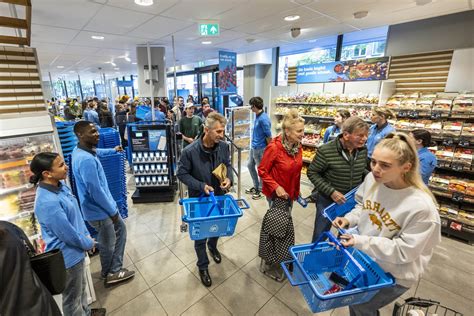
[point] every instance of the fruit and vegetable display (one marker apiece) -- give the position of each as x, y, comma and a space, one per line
330, 99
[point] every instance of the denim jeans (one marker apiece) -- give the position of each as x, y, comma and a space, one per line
201, 252
74, 294
321, 224
111, 240
383, 297
255, 157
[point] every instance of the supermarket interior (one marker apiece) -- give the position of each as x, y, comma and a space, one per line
236, 124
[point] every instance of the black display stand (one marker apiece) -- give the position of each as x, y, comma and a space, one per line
152, 147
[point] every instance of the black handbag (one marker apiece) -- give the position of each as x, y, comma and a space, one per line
50, 268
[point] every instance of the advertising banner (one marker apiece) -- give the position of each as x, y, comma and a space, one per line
227, 73
348, 70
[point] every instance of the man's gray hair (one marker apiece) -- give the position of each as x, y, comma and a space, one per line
354, 123
214, 117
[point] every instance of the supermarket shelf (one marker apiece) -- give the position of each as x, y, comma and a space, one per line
454, 197
470, 172
13, 163
17, 216
363, 105
452, 227
310, 145
15, 189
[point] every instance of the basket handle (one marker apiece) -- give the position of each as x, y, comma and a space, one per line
246, 207
361, 269
212, 198
288, 273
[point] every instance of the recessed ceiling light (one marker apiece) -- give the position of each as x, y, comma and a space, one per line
71, 71
116, 68
206, 42
134, 63
60, 67
127, 59
113, 64
144, 2
97, 37
360, 14
291, 18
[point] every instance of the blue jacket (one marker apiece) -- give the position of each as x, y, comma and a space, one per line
331, 133
159, 116
91, 116
376, 135
96, 200
197, 163
62, 225
428, 163
261, 131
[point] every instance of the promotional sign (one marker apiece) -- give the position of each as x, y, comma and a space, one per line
227, 73
348, 70
209, 29
124, 83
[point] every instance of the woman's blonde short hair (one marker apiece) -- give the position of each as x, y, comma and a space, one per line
290, 119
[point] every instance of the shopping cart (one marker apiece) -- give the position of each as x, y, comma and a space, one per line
315, 264
421, 307
211, 216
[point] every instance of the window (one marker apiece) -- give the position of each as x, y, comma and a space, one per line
364, 44
313, 52
185, 85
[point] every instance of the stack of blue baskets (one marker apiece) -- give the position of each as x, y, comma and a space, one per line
67, 137
109, 138
114, 168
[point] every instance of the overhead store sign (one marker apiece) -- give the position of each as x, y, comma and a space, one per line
348, 70
209, 29
124, 83
227, 73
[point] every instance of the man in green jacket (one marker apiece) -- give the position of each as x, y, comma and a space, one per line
338, 167
190, 125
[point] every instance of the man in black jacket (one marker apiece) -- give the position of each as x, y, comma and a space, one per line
195, 167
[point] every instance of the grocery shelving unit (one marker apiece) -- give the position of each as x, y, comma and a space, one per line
152, 148
239, 127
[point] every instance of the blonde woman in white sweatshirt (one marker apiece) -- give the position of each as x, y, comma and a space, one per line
396, 217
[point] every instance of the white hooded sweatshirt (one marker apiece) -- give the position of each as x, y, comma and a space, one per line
399, 229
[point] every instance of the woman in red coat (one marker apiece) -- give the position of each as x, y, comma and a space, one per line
280, 168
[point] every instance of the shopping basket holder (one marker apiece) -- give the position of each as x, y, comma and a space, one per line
212, 216
314, 263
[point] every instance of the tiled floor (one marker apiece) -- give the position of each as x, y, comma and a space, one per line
167, 280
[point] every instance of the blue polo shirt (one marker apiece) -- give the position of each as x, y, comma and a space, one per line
93, 191
376, 135
331, 133
62, 225
428, 163
261, 131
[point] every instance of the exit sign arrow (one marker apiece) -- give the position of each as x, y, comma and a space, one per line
209, 29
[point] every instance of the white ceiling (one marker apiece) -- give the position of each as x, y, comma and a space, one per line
62, 29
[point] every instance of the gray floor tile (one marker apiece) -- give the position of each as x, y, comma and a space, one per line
218, 272
159, 266
449, 249
180, 291
241, 295
141, 246
239, 250
275, 307
252, 233
145, 304
252, 269
429, 290
293, 298
245, 221
136, 228
303, 234
95, 266
208, 305
114, 297
184, 250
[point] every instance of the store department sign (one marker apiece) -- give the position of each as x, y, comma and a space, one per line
227, 73
209, 29
124, 83
348, 70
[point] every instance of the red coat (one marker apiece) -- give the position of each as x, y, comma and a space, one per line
277, 168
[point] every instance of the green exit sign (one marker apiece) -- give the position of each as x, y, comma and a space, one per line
209, 29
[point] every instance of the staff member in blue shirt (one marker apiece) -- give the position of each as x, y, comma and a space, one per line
97, 204
333, 131
159, 115
380, 128
427, 159
90, 114
63, 228
261, 137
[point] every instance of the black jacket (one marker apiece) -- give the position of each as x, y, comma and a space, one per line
21, 291
197, 163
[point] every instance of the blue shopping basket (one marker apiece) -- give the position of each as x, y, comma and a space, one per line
338, 210
213, 216
314, 263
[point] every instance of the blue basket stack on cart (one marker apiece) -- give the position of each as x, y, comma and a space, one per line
108, 138
67, 137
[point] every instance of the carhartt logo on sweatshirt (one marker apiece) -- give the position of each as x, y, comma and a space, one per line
380, 217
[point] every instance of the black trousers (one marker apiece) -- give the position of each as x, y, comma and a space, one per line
201, 252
